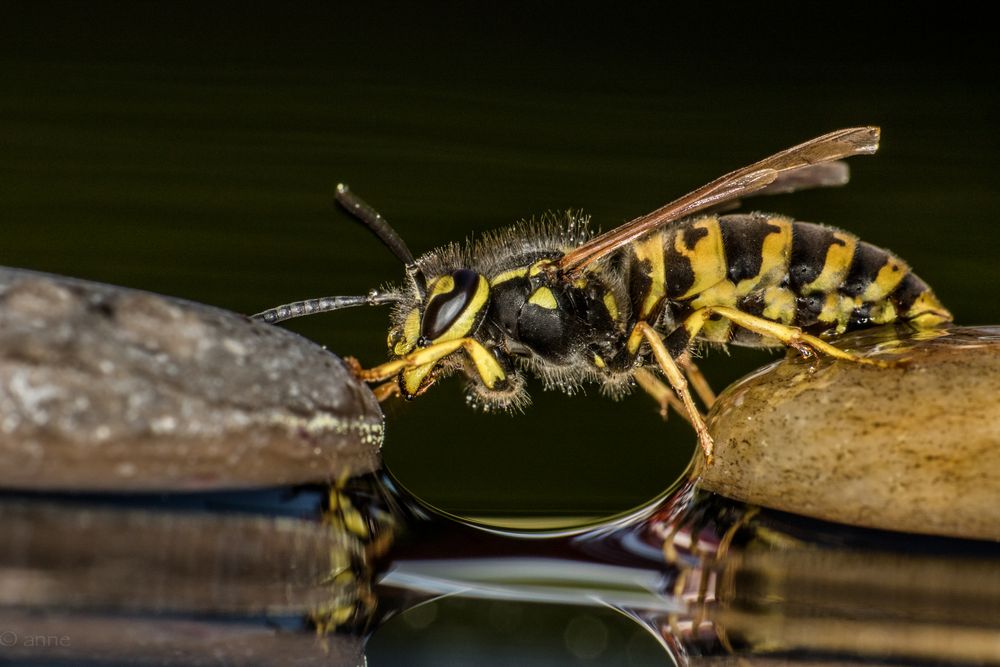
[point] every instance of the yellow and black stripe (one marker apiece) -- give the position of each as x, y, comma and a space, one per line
799, 274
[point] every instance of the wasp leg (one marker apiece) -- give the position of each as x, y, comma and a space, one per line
789, 335
680, 385
697, 380
659, 392
727, 538
487, 366
386, 390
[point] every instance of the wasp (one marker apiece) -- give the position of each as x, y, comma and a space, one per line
625, 307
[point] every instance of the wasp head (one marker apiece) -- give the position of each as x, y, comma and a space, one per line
437, 324
452, 309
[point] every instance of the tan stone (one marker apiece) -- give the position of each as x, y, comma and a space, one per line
914, 448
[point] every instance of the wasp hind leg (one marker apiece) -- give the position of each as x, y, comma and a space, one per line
793, 337
679, 384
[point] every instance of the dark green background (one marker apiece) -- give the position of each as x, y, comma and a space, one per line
193, 151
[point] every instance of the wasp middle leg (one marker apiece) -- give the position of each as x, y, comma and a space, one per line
678, 382
697, 380
660, 392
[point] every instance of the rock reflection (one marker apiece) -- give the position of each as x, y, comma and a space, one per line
148, 580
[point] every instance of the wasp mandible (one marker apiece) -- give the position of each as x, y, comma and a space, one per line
626, 306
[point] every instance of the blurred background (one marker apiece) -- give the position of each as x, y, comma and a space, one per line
193, 150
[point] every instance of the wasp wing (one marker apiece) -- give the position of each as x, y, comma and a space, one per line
794, 168
823, 175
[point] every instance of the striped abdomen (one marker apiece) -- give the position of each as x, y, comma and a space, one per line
797, 273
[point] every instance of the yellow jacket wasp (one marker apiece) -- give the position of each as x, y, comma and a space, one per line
551, 298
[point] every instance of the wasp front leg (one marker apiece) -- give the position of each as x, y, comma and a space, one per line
386, 390
417, 366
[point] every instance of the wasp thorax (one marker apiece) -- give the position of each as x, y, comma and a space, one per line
455, 307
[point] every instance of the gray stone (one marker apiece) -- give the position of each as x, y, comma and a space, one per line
914, 448
112, 389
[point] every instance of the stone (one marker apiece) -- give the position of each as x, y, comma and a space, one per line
104, 388
914, 448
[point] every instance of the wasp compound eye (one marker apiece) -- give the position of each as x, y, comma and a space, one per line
451, 297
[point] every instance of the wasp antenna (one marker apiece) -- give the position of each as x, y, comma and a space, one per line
322, 305
374, 221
